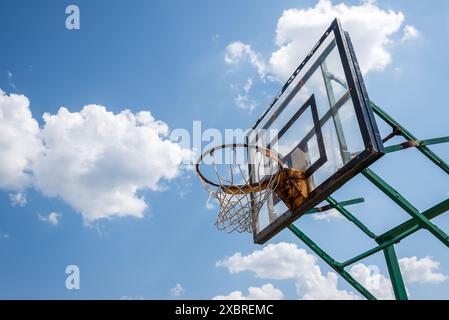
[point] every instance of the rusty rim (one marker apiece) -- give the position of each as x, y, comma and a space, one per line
246, 187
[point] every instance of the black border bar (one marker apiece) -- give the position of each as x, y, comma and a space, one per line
365, 117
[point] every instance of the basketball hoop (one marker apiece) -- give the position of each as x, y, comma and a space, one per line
241, 192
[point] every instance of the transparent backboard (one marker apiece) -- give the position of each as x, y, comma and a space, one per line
320, 122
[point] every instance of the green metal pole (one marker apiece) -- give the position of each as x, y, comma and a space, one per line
407, 206
431, 213
330, 206
331, 262
395, 273
351, 217
415, 144
400, 232
407, 135
393, 238
368, 253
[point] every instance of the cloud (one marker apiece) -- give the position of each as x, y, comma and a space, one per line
209, 205
410, 33
422, 270
370, 27
177, 290
18, 199
287, 261
372, 31
97, 161
371, 278
19, 141
238, 51
245, 103
413, 270
52, 218
94, 160
243, 100
10, 82
265, 292
248, 85
328, 215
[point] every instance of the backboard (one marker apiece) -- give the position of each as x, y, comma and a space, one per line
323, 125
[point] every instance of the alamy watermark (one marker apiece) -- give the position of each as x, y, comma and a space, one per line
73, 20
72, 282
200, 140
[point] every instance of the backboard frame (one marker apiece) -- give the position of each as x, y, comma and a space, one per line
365, 118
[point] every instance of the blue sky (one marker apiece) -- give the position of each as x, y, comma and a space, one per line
168, 57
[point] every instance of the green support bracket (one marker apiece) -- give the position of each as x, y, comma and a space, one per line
387, 240
411, 224
398, 233
407, 206
395, 273
370, 252
351, 217
408, 136
332, 206
331, 262
415, 143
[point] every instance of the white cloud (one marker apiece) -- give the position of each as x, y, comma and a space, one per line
209, 205
234, 295
265, 292
238, 51
52, 218
410, 33
413, 270
422, 270
370, 28
248, 85
97, 161
243, 100
329, 215
94, 160
287, 261
10, 82
373, 281
245, 103
19, 141
372, 31
18, 199
177, 290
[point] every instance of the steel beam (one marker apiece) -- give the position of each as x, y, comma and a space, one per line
415, 144
395, 273
351, 217
407, 135
431, 213
330, 206
407, 206
331, 262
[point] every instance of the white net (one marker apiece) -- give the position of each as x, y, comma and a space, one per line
239, 193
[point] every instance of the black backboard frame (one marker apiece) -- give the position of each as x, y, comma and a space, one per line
365, 117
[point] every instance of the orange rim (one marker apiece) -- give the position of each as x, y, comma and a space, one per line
250, 186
